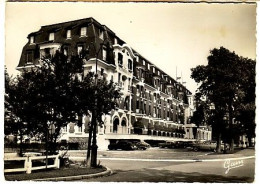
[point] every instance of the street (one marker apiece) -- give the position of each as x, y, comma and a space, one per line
175, 165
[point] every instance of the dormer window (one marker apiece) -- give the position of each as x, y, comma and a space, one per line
51, 36
101, 34
29, 57
31, 39
115, 41
83, 31
68, 34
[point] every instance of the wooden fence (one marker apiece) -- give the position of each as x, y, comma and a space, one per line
28, 166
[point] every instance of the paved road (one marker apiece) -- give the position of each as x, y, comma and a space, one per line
163, 165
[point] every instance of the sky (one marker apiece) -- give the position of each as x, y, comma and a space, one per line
170, 35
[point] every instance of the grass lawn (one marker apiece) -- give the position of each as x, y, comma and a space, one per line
52, 173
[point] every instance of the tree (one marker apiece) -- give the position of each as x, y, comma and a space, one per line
222, 82
45, 95
16, 107
99, 97
246, 109
57, 92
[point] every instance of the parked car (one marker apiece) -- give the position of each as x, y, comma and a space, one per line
123, 145
184, 144
207, 145
168, 144
142, 145
154, 143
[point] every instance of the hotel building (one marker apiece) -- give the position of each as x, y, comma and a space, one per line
153, 105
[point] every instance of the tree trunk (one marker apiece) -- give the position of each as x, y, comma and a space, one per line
21, 145
89, 143
218, 149
249, 140
232, 145
230, 112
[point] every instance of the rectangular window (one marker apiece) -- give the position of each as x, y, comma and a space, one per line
79, 49
31, 39
137, 104
101, 34
65, 51
47, 53
102, 71
104, 54
68, 34
51, 36
148, 66
83, 31
130, 64
143, 62
29, 57
153, 70
158, 72
120, 59
119, 77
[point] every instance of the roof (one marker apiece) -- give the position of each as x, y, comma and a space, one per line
89, 20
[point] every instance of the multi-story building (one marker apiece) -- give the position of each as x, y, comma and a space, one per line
153, 104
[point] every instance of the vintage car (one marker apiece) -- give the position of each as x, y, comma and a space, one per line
123, 145
141, 145
168, 144
184, 144
207, 145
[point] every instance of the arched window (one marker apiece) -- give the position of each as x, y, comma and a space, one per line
115, 125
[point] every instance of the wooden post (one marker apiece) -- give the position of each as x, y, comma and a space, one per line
57, 162
28, 163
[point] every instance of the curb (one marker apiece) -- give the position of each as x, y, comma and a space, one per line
79, 177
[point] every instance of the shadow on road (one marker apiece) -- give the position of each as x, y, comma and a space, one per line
150, 175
